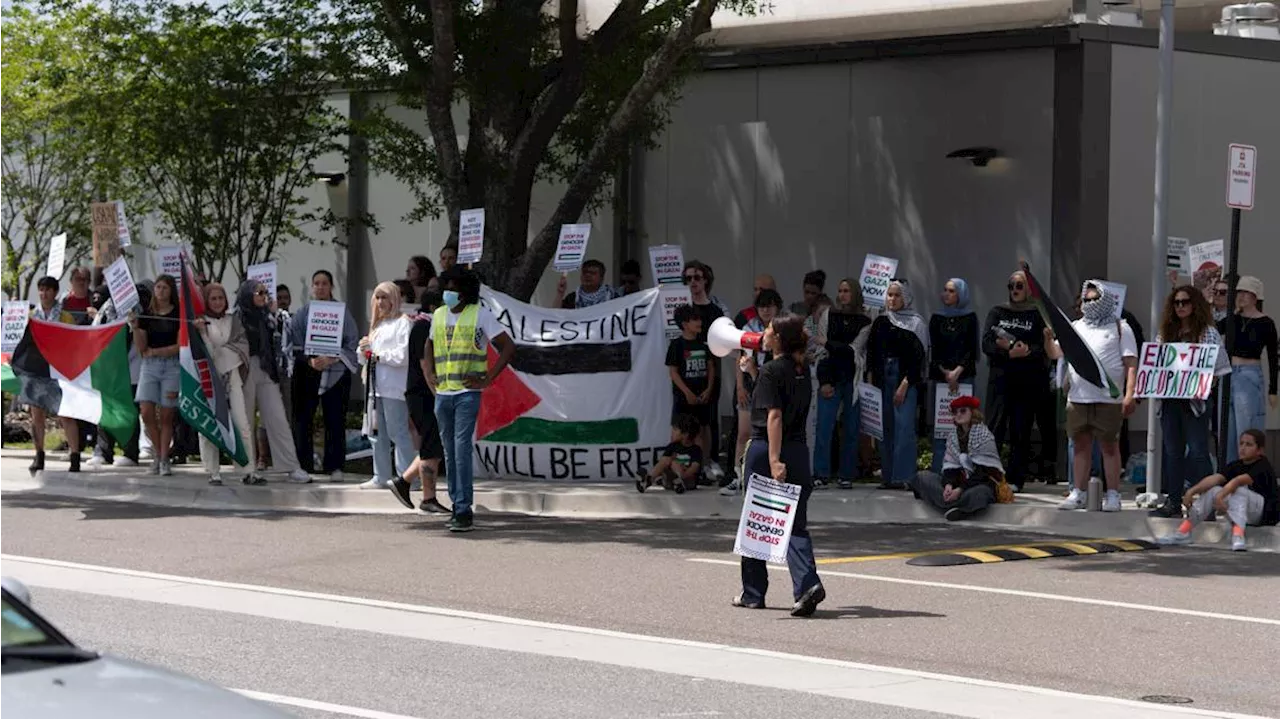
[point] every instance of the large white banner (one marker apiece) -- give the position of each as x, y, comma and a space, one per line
587, 396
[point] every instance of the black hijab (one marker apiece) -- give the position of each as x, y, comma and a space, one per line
259, 328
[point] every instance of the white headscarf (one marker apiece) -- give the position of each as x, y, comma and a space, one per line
907, 318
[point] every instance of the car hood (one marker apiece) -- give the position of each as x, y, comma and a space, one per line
115, 688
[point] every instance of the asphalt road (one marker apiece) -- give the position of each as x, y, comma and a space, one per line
1122, 625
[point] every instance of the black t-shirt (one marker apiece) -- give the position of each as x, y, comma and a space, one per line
416, 382
1264, 483
683, 456
783, 385
709, 313
692, 359
162, 331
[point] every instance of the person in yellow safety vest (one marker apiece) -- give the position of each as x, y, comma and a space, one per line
456, 368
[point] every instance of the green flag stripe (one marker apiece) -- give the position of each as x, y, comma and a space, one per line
109, 375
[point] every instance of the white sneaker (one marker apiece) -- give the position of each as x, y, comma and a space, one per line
731, 488
336, 476
1175, 539
1238, 543
165, 469
125, 462
145, 455
95, 461
1075, 500
376, 483
298, 476
1111, 503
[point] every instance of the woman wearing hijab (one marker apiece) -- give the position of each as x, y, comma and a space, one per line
953, 334
225, 337
1019, 376
843, 329
262, 386
896, 352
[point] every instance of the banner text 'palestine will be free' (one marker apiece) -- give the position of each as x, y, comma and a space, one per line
586, 397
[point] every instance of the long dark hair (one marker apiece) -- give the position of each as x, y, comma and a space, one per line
1200, 320
789, 328
173, 292
426, 270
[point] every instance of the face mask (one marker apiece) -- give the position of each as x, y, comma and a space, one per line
451, 299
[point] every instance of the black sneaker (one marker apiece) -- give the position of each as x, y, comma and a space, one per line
820, 482
75, 462
462, 523
809, 601
433, 506
954, 514
400, 489
1168, 510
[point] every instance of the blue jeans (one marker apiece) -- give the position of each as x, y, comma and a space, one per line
456, 415
1248, 405
898, 451
800, 561
828, 408
1185, 447
393, 428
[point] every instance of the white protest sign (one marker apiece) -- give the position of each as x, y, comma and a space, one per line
870, 411
572, 247
1242, 170
1176, 370
768, 516
169, 261
15, 324
470, 236
943, 423
671, 298
876, 273
124, 294
667, 263
1207, 260
57, 256
265, 273
1177, 257
122, 226
324, 329
1118, 291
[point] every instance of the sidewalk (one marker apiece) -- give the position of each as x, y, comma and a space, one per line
1034, 510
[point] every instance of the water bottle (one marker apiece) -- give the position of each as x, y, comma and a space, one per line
1093, 502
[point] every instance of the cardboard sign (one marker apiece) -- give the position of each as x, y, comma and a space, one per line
667, 264
1176, 370
1119, 291
106, 233
572, 247
57, 256
1207, 260
876, 273
124, 293
943, 423
324, 329
768, 516
169, 262
1177, 257
671, 298
15, 324
264, 273
470, 236
1242, 170
871, 411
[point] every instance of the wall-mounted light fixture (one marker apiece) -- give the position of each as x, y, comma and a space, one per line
978, 156
332, 179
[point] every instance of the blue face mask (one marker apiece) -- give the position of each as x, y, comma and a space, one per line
451, 299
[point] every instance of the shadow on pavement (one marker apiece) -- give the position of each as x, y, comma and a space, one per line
93, 509
1180, 562
866, 612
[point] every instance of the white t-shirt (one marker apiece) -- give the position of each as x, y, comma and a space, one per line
1112, 351
487, 327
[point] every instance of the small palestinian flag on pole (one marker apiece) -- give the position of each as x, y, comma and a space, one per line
79, 372
1075, 350
203, 401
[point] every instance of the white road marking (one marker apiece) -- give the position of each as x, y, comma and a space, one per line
1020, 593
889, 686
320, 706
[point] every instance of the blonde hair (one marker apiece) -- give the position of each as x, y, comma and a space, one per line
393, 293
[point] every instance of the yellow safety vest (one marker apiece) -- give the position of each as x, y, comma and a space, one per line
456, 353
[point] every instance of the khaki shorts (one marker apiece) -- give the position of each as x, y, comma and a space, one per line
1103, 421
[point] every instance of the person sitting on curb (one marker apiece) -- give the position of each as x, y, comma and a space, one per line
972, 474
681, 461
1246, 490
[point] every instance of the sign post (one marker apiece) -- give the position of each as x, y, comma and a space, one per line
1242, 167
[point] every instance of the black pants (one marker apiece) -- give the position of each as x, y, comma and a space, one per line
800, 561
333, 410
1047, 425
1013, 403
106, 444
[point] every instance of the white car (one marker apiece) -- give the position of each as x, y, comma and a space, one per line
46, 676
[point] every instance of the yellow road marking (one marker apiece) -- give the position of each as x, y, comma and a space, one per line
1031, 552
981, 557
1078, 548
1029, 549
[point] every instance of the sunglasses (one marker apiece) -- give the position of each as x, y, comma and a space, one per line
691, 278
1181, 303
1017, 286
262, 293
1220, 293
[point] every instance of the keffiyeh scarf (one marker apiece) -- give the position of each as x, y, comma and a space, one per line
981, 451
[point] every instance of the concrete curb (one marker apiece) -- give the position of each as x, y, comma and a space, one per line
861, 505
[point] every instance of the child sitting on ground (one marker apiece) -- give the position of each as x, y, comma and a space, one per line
693, 373
1246, 491
681, 462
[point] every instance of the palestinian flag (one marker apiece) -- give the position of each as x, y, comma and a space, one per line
9, 381
1074, 349
203, 401
78, 371
773, 504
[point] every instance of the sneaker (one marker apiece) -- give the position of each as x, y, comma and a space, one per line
642, 482
165, 470
955, 514
431, 505
845, 484
126, 462
808, 602
1111, 503
376, 483
1169, 510
253, 479
336, 476
400, 489
820, 482
731, 489
1175, 539
215, 480
1238, 543
1075, 500
462, 523
155, 467
298, 476
95, 461
741, 603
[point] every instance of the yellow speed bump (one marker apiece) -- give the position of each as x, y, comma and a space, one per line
1039, 550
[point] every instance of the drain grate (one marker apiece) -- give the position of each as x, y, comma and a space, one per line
1166, 699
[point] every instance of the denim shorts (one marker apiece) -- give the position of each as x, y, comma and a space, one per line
158, 381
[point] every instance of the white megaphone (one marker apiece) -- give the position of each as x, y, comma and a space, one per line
724, 337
